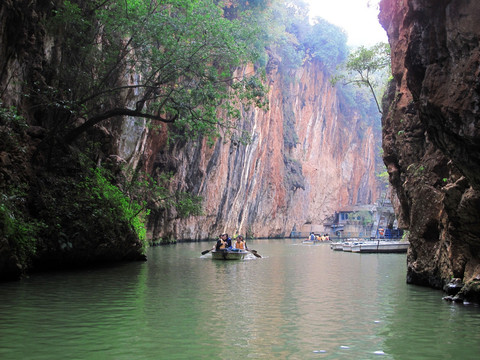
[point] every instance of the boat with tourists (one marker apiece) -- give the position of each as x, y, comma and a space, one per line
223, 249
310, 242
233, 254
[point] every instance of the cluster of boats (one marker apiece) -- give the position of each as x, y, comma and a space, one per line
351, 245
371, 246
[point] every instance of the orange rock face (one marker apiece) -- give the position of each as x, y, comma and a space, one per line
309, 156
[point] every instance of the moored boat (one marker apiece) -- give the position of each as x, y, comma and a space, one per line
347, 246
370, 246
337, 246
381, 247
233, 254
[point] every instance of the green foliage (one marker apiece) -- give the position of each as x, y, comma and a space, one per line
416, 170
368, 67
156, 194
177, 57
327, 43
383, 175
9, 116
292, 37
17, 227
11, 126
366, 61
246, 4
363, 216
114, 204
188, 205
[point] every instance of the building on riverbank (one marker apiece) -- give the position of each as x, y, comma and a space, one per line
364, 221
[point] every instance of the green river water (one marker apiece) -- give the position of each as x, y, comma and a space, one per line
297, 302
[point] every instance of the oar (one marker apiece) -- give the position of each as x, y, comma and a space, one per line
254, 252
206, 251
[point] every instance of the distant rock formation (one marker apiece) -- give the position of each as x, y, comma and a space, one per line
311, 153
431, 136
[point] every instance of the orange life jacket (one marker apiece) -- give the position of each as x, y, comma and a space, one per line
240, 245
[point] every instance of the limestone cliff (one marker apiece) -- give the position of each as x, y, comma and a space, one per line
431, 136
310, 154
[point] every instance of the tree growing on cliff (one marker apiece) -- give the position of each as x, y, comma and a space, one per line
327, 43
367, 67
172, 61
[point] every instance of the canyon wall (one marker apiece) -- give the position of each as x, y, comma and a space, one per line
431, 137
310, 155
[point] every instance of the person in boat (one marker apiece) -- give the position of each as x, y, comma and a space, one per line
240, 244
223, 242
227, 239
312, 236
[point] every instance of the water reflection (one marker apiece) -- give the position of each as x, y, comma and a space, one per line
297, 302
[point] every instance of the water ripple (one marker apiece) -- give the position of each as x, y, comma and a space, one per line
296, 302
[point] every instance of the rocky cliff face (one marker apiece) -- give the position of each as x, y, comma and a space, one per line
310, 154
431, 136
47, 217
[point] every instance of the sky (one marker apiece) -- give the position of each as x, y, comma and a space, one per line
354, 16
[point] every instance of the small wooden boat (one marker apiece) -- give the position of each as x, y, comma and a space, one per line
310, 242
233, 254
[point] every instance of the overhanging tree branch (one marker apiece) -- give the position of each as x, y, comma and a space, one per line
76, 132
182, 54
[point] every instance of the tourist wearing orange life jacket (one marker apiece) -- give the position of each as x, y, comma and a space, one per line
240, 244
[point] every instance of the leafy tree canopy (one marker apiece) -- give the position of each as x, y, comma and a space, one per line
172, 61
296, 40
327, 43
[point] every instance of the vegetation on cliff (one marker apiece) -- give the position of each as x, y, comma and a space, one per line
171, 62
92, 64
65, 201
370, 68
65, 214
